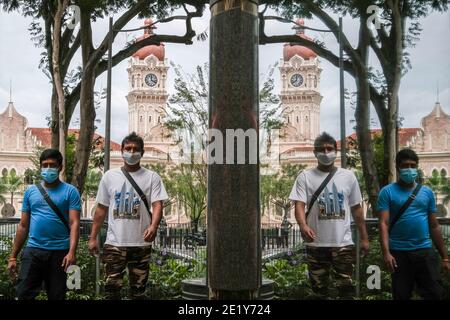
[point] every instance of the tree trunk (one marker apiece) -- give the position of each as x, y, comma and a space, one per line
86, 134
362, 117
392, 132
87, 106
58, 81
86, 199
365, 145
54, 125
389, 150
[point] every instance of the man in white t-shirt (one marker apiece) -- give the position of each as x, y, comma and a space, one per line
130, 228
326, 230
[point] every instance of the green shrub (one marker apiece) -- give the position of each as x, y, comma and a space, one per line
290, 275
7, 290
167, 274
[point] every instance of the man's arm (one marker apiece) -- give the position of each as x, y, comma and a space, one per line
150, 232
74, 224
438, 240
307, 233
389, 260
21, 234
358, 218
19, 240
99, 217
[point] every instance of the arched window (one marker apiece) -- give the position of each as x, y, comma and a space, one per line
297, 119
435, 173
443, 173
13, 172
4, 172
150, 119
140, 119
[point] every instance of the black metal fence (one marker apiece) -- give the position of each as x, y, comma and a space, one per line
179, 241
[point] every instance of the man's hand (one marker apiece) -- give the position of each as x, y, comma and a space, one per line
150, 233
68, 260
93, 246
390, 262
12, 269
364, 247
308, 234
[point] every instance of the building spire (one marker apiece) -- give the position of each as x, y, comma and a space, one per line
10, 90
437, 98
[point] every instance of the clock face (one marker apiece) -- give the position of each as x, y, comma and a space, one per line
151, 80
297, 80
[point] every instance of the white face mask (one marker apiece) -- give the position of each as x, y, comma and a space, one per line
131, 158
326, 159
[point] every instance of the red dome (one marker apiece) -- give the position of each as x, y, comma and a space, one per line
290, 51
157, 51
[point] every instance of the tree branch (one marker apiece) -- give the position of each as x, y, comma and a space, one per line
118, 25
153, 40
67, 58
334, 27
321, 51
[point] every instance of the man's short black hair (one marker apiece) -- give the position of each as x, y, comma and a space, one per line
51, 154
324, 138
406, 154
133, 137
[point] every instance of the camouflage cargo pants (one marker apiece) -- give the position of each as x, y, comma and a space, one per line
322, 261
116, 260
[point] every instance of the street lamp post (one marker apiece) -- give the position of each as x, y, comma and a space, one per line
107, 142
108, 98
342, 99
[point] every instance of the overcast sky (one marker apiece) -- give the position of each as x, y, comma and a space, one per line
19, 60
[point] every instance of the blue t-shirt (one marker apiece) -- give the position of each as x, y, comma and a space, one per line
47, 231
411, 231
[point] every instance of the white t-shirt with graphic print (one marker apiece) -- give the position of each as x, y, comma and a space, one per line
330, 216
128, 217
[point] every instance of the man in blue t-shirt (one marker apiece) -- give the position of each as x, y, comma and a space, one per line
52, 242
407, 246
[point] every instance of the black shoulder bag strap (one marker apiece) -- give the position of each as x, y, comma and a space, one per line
319, 190
53, 206
138, 190
405, 206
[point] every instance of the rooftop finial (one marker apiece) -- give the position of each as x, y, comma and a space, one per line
437, 100
10, 90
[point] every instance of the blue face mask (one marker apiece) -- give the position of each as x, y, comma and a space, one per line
49, 174
408, 175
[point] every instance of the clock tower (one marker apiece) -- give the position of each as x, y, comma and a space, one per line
300, 95
147, 98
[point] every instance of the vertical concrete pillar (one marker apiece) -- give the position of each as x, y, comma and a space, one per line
234, 253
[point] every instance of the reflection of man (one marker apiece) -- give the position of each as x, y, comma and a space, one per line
408, 230
163, 233
327, 231
130, 227
285, 227
53, 235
